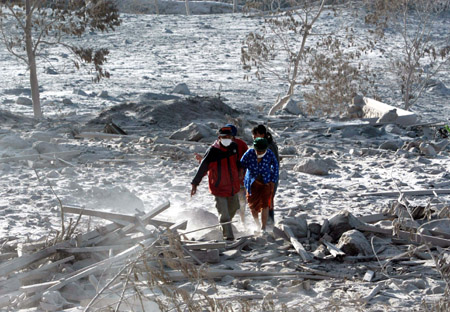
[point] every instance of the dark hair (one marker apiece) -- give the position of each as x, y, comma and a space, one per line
261, 129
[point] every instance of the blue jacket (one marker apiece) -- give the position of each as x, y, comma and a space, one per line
267, 168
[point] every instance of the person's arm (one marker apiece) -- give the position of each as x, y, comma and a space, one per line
203, 168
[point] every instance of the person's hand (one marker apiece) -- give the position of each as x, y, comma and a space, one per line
193, 189
198, 157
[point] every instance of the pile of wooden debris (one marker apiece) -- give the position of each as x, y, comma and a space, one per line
140, 263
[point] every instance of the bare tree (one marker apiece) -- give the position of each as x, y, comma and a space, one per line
290, 48
188, 10
423, 54
31, 26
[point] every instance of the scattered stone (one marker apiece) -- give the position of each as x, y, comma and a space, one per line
24, 101
427, 149
390, 145
193, 132
52, 301
342, 222
313, 166
67, 101
390, 116
292, 107
354, 242
297, 224
103, 94
79, 92
181, 88
51, 71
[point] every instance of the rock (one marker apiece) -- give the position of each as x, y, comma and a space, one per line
73, 292
349, 132
52, 301
341, 223
103, 94
79, 92
46, 147
193, 132
358, 100
288, 150
388, 117
390, 145
427, 149
52, 174
394, 129
51, 71
440, 146
354, 242
67, 101
13, 141
181, 88
24, 101
292, 107
297, 224
313, 166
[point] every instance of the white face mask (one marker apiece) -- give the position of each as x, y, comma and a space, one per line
262, 155
225, 142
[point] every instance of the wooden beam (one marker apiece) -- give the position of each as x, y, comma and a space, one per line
305, 255
373, 218
397, 193
416, 238
37, 156
332, 248
101, 135
218, 274
118, 217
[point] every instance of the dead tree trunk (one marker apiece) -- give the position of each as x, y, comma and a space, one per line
32, 63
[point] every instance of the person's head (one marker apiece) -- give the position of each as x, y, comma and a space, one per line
260, 145
233, 129
259, 131
225, 136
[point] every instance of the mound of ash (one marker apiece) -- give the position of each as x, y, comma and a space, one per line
166, 114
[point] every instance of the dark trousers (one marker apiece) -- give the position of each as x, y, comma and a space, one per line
271, 211
226, 208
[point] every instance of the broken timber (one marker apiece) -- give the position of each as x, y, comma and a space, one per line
397, 193
417, 238
305, 255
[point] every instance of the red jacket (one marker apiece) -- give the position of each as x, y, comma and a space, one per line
222, 165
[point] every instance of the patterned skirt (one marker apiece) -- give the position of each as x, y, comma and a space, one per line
261, 197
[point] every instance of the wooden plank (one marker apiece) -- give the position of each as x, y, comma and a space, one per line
182, 225
37, 156
219, 273
332, 248
101, 135
74, 276
196, 246
417, 238
373, 218
93, 249
305, 255
406, 192
116, 217
26, 260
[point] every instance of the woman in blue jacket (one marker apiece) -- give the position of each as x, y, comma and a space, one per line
260, 179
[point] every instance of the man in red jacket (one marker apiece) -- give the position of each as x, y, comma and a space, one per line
221, 163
